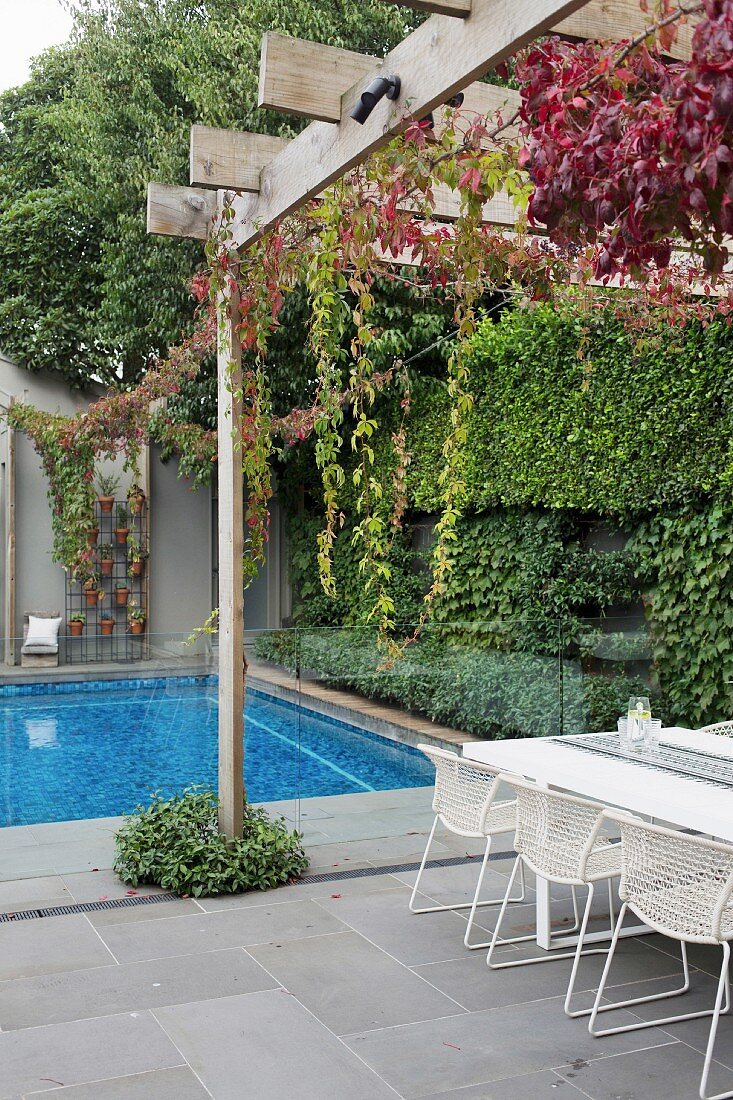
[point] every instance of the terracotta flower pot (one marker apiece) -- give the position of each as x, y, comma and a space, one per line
136, 626
107, 565
121, 534
136, 504
92, 596
121, 597
136, 567
106, 504
75, 629
92, 536
106, 626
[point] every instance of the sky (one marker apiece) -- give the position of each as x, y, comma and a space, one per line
26, 28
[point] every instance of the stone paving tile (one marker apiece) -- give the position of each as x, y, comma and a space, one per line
16, 836
420, 1059
268, 1046
206, 932
50, 946
385, 919
83, 994
546, 1085
661, 1073
33, 893
398, 849
104, 883
303, 891
27, 861
57, 832
40, 1059
163, 1084
380, 991
181, 907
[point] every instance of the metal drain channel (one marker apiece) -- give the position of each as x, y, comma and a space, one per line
86, 907
307, 880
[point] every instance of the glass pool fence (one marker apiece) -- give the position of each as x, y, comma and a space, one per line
328, 712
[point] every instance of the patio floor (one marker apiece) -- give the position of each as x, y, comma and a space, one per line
321, 991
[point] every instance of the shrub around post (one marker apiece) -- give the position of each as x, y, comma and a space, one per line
176, 844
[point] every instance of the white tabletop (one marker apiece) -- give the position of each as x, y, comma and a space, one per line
625, 782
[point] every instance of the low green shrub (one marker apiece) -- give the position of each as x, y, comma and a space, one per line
491, 693
176, 843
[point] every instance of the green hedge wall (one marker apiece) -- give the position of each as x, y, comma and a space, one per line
574, 419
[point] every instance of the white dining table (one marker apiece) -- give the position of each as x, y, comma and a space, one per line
655, 784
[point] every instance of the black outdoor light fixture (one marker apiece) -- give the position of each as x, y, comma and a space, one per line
455, 102
380, 87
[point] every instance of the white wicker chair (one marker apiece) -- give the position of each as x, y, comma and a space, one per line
558, 837
465, 802
725, 729
680, 886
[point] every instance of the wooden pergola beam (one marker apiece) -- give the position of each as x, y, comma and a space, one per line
614, 20
460, 8
310, 79
230, 158
439, 58
180, 211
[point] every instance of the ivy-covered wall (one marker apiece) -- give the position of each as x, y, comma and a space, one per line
575, 422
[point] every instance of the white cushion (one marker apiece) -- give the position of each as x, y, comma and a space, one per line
43, 632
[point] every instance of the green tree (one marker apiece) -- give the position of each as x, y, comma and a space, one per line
83, 290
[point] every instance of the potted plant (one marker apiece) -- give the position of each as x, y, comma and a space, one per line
92, 591
136, 499
137, 557
122, 529
106, 624
135, 619
76, 624
92, 535
106, 558
121, 592
107, 485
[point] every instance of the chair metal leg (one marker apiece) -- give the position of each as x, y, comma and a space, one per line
472, 905
549, 956
723, 988
598, 1007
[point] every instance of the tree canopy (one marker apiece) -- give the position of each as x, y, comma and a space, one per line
83, 290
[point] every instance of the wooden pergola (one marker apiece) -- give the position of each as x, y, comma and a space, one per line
271, 177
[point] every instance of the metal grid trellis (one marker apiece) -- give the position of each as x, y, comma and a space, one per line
121, 645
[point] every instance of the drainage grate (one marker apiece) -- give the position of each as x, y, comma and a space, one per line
397, 868
307, 880
87, 907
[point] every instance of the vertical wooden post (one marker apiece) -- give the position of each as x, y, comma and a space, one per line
9, 594
231, 586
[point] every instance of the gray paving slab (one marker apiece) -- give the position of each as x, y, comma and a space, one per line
267, 1045
400, 849
181, 907
82, 994
27, 893
16, 836
380, 992
378, 824
180, 1083
661, 1073
546, 1085
103, 884
57, 832
50, 946
478, 1047
385, 919
206, 932
300, 891
39, 1059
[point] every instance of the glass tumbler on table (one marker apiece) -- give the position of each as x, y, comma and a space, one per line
639, 714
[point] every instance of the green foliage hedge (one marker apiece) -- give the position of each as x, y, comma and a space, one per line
176, 844
575, 421
487, 692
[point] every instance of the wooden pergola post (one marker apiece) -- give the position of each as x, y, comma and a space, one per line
231, 587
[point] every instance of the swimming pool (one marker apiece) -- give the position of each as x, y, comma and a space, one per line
70, 751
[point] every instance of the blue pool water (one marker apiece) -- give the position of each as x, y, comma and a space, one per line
98, 750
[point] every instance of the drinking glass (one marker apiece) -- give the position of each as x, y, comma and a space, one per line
652, 729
